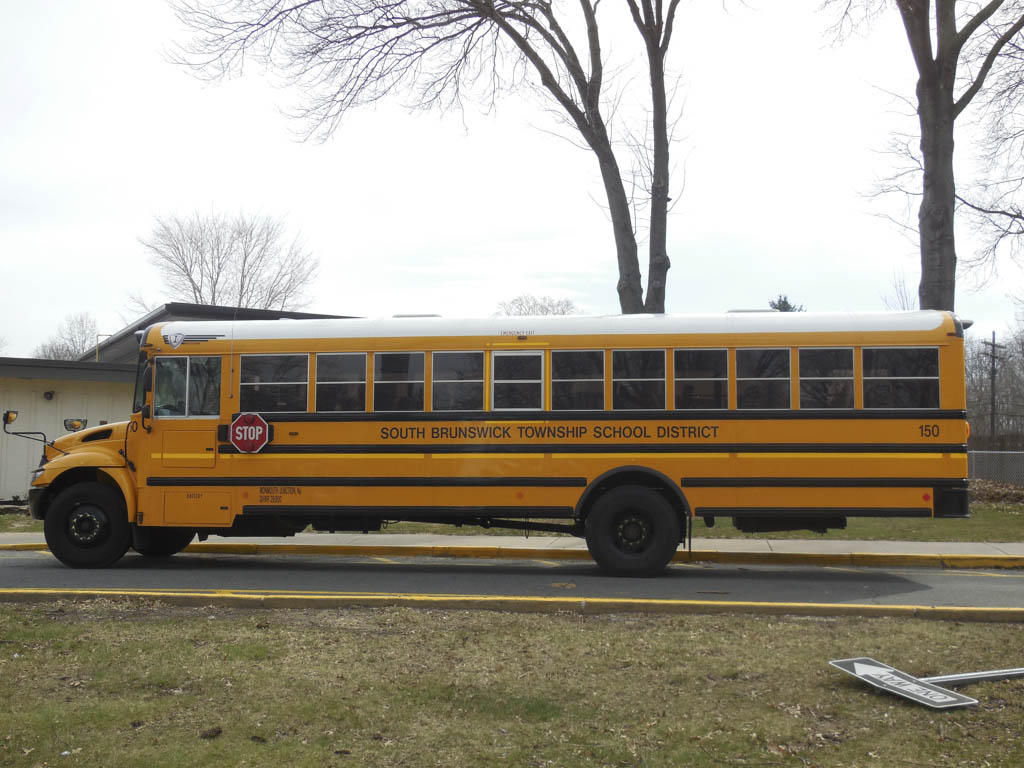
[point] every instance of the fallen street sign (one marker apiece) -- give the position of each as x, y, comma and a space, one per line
909, 687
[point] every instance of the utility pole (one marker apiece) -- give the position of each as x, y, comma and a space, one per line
992, 353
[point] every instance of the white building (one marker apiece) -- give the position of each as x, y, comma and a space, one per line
97, 387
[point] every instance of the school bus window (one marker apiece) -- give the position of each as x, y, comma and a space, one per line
826, 378
398, 381
638, 379
458, 381
577, 380
518, 381
702, 378
341, 382
762, 378
273, 383
203, 386
171, 379
901, 377
187, 386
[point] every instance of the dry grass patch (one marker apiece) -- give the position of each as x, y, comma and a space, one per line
16, 519
123, 684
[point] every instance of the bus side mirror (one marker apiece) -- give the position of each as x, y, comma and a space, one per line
9, 417
73, 425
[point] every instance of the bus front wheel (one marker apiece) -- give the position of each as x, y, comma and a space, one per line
632, 531
87, 526
161, 542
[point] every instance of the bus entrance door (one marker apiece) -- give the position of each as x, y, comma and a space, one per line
183, 440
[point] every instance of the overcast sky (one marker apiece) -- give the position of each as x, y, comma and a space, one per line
781, 140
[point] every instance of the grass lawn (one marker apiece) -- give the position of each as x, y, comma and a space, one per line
111, 683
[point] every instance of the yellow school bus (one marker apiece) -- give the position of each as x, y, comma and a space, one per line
619, 429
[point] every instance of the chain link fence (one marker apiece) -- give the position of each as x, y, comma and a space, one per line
998, 466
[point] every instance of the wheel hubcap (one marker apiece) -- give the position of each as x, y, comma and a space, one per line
632, 533
86, 525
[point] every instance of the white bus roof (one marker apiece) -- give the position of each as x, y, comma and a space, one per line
394, 327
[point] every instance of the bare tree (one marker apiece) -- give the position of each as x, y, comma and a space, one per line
135, 306
344, 54
900, 298
75, 336
955, 46
240, 261
992, 204
528, 304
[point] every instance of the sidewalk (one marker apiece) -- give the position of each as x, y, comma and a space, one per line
747, 550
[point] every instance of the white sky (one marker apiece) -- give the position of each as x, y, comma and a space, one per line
782, 138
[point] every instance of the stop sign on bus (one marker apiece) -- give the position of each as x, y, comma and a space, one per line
249, 432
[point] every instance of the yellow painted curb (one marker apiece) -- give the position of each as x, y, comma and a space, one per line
847, 559
581, 605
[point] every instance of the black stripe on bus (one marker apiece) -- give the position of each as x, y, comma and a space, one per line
821, 482
279, 448
377, 482
803, 513
408, 513
785, 414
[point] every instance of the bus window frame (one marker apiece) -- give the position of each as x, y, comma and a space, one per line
788, 378
188, 377
602, 380
539, 353
852, 378
663, 378
482, 381
421, 381
315, 381
241, 383
676, 377
937, 378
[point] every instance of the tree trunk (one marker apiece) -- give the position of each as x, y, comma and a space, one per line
938, 201
629, 286
659, 263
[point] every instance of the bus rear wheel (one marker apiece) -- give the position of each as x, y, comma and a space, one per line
632, 531
161, 542
86, 526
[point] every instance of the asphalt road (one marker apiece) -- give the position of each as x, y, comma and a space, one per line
529, 578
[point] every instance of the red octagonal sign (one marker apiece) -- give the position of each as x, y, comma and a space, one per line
249, 432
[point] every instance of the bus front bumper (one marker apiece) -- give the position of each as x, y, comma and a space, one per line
35, 502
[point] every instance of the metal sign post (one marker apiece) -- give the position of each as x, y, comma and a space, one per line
976, 677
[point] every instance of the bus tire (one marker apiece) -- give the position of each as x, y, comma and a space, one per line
161, 542
86, 526
632, 531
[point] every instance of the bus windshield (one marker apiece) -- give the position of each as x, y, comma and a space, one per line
143, 381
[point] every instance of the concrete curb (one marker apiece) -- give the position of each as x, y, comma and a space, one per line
848, 559
579, 605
